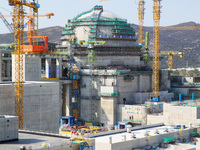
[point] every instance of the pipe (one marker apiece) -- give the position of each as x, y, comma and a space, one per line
192, 96
179, 97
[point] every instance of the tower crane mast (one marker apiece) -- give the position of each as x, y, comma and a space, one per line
156, 24
18, 22
141, 21
171, 55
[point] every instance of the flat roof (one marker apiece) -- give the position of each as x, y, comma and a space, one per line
33, 140
138, 133
189, 103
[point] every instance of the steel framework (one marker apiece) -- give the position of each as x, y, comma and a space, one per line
141, 20
156, 24
171, 55
18, 22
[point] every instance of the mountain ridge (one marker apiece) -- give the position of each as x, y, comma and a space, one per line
187, 42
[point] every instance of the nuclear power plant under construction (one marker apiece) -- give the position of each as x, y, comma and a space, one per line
98, 89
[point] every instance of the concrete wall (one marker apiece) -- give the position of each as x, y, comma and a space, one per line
42, 105
109, 60
132, 113
31, 68
153, 119
140, 142
8, 128
86, 110
140, 98
176, 115
181, 90
108, 110
85, 89
103, 146
165, 82
126, 88
132, 90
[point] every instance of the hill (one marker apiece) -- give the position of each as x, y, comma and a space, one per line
184, 41
54, 34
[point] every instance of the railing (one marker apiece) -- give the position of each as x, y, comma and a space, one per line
91, 35
132, 120
103, 72
68, 32
185, 83
124, 31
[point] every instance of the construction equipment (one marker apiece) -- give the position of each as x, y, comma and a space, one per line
91, 59
84, 144
10, 28
171, 55
156, 24
36, 48
181, 28
18, 22
141, 21
30, 22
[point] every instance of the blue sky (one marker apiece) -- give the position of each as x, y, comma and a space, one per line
173, 11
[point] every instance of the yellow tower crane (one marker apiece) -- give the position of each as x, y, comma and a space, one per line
141, 21
171, 55
180, 28
18, 22
156, 24
156, 29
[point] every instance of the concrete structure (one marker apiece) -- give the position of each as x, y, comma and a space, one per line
8, 128
139, 137
33, 64
112, 73
5, 63
187, 113
44, 103
137, 114
37, 141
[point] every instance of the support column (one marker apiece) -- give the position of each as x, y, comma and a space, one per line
58, 67
48, 68
8, 68
0, 66
141, 83
66, 97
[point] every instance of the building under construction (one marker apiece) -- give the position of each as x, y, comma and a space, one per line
98, 67
111, 67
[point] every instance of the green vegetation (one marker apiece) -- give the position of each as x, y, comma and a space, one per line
187, 73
